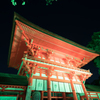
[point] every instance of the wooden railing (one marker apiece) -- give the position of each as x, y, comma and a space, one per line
92, 95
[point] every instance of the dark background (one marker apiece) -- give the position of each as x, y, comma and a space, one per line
75, 20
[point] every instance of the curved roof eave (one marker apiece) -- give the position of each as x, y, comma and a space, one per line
25, 21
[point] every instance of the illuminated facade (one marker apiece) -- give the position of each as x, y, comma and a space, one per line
52, 64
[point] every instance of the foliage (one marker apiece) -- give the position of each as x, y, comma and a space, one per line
15, 3
23, 2
49, 2
96, 82
94, 44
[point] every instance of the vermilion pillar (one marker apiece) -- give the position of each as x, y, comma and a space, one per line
85, 92
64, 96
30, 80
72, 85
84, 89
42, 95
49, 86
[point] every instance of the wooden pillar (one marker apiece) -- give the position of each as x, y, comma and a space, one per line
42, 95
64, 96
72, 85
85, 92
97, 95
84, 89
17, 97
24, 95
30, 80
89, 95
29, 88
73, 90
81, 98
49, 87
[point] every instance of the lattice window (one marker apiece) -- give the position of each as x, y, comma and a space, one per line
78, 88
51, 85
34, 84
39, 84
67, 87
61, 87
55, 86
45, 85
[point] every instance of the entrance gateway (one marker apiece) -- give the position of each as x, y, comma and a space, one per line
50, 62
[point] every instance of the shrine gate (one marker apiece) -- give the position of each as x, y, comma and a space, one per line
51, 63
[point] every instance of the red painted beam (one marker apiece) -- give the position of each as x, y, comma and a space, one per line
21, 29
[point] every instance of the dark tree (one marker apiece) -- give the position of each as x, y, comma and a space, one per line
96, 82
94, 44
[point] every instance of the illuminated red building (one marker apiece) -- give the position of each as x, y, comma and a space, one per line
51, 63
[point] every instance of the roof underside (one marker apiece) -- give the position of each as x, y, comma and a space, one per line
43, 38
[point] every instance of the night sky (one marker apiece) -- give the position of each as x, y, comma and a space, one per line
75, 20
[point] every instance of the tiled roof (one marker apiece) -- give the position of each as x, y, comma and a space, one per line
12, 79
